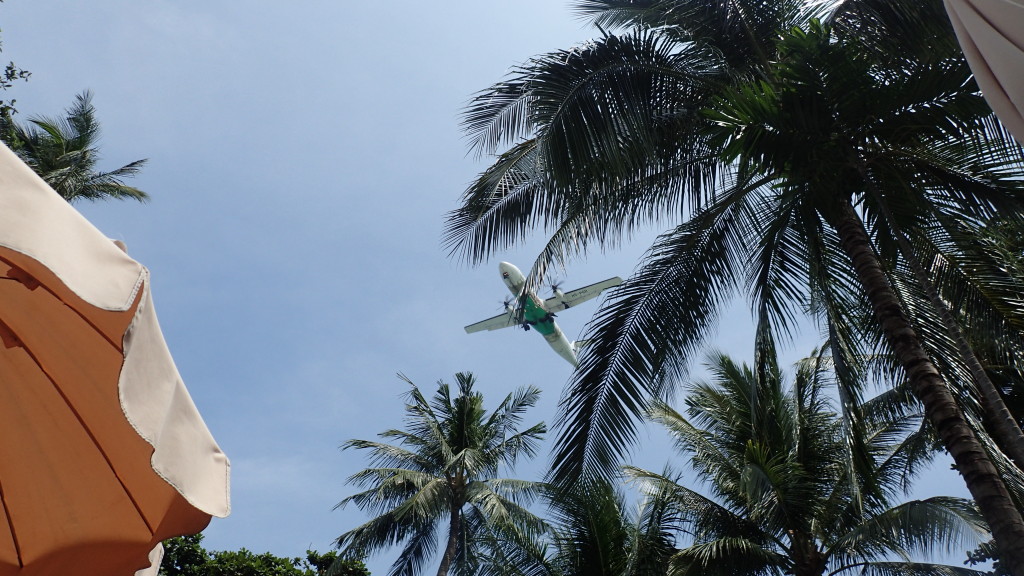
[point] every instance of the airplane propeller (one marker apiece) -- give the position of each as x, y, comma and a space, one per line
556, 289
508, 307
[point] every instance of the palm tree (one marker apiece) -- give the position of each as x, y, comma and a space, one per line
64, 153
442, 471
786, 494
797, 143
592, 531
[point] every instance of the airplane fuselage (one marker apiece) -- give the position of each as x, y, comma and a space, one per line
533, 312
535, 315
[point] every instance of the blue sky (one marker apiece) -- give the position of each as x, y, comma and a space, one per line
302, 157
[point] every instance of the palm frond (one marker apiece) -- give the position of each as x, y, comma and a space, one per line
725, 556
923, 526
909, 569
389, 455
644, 331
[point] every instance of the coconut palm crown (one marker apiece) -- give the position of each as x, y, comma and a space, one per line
782, 491
64, 152
593, 529
441, 473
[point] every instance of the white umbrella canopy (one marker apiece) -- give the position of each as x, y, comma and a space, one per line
991, 33
102, 451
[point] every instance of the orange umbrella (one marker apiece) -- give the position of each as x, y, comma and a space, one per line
991, 33
102, 451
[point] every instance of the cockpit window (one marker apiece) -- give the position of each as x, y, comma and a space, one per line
504, 274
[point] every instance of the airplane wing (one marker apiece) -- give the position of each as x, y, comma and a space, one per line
574, 297
503, 320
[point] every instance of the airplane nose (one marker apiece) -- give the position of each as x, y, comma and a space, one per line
506, 269
511, 276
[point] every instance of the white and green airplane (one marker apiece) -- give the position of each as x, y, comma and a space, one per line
538, 313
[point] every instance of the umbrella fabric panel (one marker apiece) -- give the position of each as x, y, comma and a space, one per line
163, 413
102, 451
65, 498
87, 482
65, 251
991, 33
37, 222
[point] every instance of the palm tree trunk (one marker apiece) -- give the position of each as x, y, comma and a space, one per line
981, 477
454, 526
1001, 424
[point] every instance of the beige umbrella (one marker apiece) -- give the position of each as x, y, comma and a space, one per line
991, 33
102, 451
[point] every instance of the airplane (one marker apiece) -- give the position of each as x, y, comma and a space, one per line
538, 313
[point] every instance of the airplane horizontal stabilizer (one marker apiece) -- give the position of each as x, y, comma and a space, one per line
580, 345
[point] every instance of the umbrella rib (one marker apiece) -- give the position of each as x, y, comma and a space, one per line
10, 524
20, 275
81, 421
